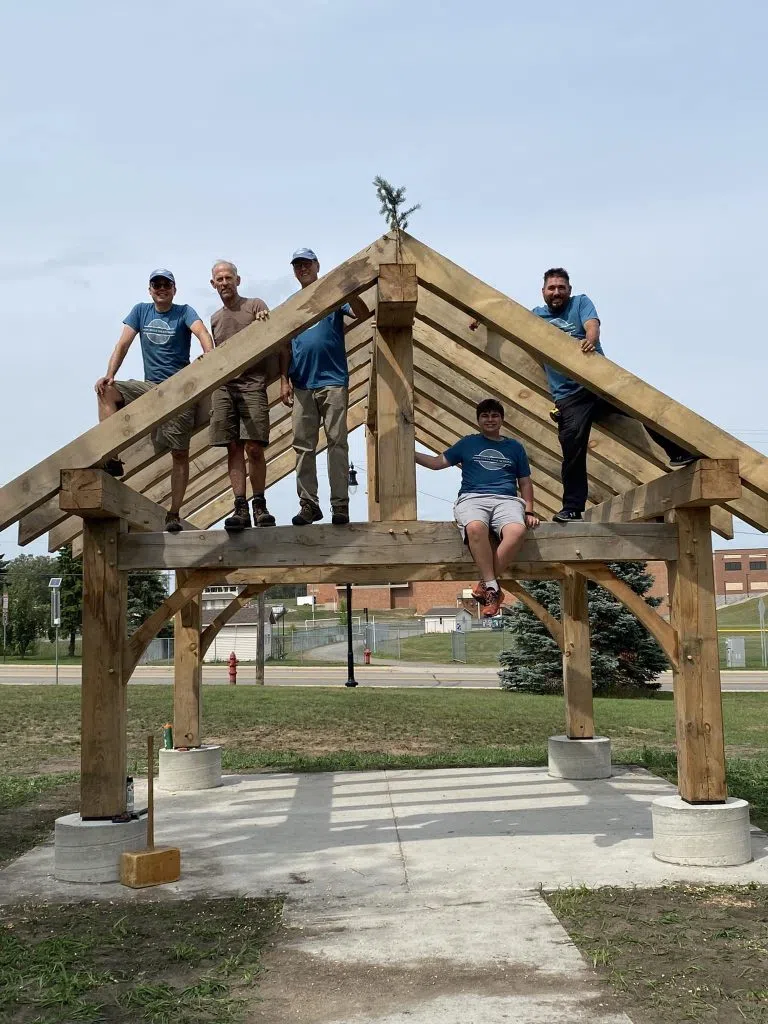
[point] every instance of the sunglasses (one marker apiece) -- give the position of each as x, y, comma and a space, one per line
159, 283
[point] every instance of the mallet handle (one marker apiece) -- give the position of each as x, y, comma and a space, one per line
150, 792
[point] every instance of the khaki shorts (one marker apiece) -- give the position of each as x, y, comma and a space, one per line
239, 416
172, 435
495, 510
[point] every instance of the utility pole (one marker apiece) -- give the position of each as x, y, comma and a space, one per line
351, 681
260, 640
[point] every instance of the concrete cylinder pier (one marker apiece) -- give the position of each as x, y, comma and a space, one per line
703, 835
579, 759
184, 770
89, 851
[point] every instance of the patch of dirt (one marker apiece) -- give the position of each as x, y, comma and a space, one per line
306, 989
275, 738
23, 827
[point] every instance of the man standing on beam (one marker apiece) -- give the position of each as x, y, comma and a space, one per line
577, 408
315, 381
166, 331
240, 409
492, 469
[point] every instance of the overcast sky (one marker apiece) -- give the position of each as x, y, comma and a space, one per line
624, 141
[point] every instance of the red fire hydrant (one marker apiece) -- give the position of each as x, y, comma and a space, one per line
232, 669
366, 656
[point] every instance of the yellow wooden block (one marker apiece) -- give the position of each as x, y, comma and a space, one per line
158, 866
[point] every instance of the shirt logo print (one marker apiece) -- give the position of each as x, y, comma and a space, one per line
492, 460
159, 332
564, 325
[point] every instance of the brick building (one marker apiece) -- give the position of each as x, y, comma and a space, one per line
741, 572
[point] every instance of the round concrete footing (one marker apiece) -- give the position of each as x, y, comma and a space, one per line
89, 851
704, 835
579, 759
181, 770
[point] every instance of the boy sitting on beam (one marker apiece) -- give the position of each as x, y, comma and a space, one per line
492, 469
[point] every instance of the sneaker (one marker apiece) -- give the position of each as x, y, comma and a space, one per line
240, 518
683, 460
340, 515
492, 603
173, 523
480, 592
261, 515
565, 516
113, 466
308, 513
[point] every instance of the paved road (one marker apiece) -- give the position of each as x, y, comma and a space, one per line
462, 676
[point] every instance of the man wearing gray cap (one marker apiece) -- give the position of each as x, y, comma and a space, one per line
165, 330
315, 381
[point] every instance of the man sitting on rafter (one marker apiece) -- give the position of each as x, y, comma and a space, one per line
492, 469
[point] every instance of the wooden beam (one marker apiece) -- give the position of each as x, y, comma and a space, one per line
394, 417
659, 628
379, 574
553, 627
601, 375
303, 309
103, 741
707, 482
211, 631
698, 704
94, 494
577, 659
372, 474
397, 295
364, 544
187, 673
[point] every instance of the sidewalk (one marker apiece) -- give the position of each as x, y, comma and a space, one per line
412, 896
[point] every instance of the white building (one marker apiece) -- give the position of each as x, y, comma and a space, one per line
447, 620
240, 634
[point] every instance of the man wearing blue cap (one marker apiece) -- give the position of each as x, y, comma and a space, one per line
315, 381
165, 330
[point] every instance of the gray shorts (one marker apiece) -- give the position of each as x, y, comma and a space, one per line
495, 510
172, 435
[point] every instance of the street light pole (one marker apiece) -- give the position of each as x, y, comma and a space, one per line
351, 681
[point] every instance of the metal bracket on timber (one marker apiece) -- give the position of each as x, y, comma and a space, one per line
394, 545
396, 298
552, 625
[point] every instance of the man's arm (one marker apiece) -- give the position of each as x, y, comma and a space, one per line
200, 331
284, 362
119, 353
526, 493
358, 307
432, 461
592, 331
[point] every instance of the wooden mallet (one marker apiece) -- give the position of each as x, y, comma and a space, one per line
153, 866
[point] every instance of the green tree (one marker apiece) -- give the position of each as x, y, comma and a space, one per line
3, 580
285, 590
29, 599
343, 611
146, 592
71, 571
625, 657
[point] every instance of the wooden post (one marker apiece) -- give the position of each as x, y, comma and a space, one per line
260, 640
577, 667
698, 704
371, 460
103, 745
187, 671
395, 308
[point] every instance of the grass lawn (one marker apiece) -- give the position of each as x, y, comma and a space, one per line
84, 962
482, 647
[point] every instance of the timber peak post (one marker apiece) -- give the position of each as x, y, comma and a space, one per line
577, 665
187, 671
396, 298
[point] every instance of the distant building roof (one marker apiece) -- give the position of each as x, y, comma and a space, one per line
443, 612
248, 616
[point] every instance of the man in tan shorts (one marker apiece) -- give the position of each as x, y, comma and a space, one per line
239, 409
165, 330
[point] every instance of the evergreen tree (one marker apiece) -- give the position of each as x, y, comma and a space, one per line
71, 571
392, 201
625, 657
146, 592
29, 599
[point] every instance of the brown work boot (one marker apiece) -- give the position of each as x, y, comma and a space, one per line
173, 523
261, 515
308, 513
240, 518
340, 515
480, 592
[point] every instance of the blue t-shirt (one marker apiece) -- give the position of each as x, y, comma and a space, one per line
319, 356
489, 467
165, 338
580, 308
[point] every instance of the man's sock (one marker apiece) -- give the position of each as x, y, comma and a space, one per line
491, 584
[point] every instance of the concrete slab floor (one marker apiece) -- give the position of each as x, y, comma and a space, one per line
425, 881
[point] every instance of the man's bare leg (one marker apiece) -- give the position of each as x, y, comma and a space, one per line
479, 541
179, 478
257, 466
512, 537
109, 402
236, 467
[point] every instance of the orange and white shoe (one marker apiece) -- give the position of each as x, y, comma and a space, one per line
492, 602
480, 592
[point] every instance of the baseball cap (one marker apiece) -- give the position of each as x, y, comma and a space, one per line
304, 254
161, 272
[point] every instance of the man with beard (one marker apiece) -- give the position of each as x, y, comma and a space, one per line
239, 409
577, 408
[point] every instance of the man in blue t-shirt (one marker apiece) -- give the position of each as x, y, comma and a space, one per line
577, 408
314, 380
165, 330
492, 469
